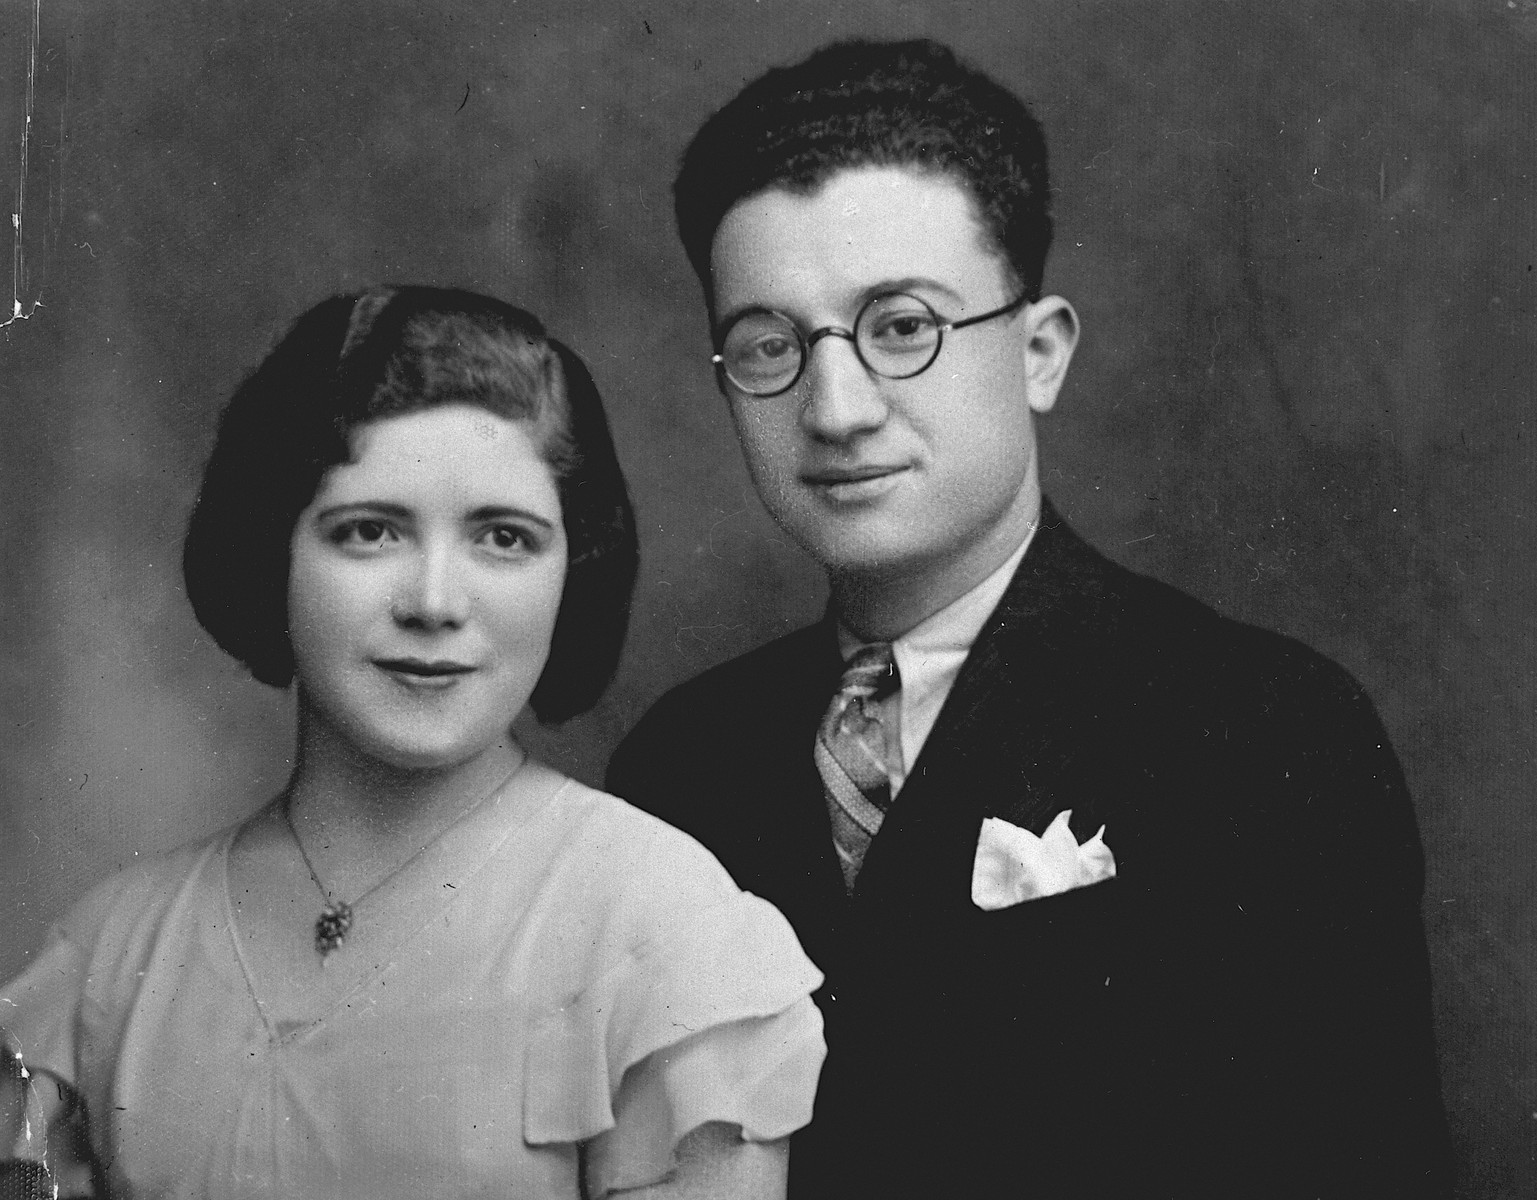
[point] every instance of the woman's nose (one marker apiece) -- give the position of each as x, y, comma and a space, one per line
434, 593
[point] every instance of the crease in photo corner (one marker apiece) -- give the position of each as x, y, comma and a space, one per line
32, 233
23, 1132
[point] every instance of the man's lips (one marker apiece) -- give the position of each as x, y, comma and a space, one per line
853, 485
834, 476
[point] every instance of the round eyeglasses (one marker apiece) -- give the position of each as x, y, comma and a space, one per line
896, 336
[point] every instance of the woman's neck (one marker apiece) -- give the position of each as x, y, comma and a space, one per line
360, 798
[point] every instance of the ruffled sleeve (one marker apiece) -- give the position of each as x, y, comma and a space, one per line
709, 1018
37, 1024
66, 1010
47, 1014
38, 1008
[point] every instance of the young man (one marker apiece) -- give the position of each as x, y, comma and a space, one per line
1115, 897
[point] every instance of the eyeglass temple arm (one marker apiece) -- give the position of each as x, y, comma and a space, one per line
987, 316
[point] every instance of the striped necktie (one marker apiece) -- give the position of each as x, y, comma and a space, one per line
851, 755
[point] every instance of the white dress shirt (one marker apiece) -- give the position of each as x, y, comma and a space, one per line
929, 657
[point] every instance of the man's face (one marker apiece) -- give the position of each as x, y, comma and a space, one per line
930, 478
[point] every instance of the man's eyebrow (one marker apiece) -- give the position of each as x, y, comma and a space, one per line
910, 283
861, 297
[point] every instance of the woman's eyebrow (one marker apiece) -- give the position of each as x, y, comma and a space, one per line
486, 512
383, 507
502, 512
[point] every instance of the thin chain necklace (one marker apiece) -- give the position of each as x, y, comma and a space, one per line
335, 919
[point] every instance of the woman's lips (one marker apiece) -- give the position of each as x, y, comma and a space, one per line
423, 673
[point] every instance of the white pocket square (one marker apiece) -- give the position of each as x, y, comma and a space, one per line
1014, 865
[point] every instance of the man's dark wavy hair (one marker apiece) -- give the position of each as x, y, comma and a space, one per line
865, 103
390, 351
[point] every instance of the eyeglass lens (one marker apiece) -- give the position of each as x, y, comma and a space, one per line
896, 335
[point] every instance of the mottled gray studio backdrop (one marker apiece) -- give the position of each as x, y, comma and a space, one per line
1300, 235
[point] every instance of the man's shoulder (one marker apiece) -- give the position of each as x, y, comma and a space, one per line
1237, 658
1270, 695
1143, 628
720, 718
1254, 731
764, 674
1203, 636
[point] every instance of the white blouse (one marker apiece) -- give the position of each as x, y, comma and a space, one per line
568, 972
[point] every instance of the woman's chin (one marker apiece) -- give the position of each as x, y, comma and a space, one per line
403, 742
443, 763
427, 756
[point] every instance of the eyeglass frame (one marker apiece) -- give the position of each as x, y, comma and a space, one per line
806, 341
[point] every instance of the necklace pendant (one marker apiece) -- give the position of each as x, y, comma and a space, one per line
331, 927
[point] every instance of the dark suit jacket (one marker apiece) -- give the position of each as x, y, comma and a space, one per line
1243, 1011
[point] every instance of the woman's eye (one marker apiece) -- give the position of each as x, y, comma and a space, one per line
363, 533
510, 539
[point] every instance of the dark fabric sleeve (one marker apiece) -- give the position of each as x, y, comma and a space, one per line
628, 772
649, 767
1334, 1090
1363, 971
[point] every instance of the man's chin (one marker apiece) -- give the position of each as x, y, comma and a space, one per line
865, 555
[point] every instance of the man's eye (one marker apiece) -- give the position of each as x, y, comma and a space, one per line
771, 348
895, 328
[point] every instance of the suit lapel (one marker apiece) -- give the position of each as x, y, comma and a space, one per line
792, 847
1019, 735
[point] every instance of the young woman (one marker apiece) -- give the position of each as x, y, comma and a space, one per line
431, 966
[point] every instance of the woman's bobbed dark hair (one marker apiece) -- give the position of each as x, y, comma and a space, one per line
387, 352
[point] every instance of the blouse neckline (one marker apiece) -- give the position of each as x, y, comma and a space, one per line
415, 898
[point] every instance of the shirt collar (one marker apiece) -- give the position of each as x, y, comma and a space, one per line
929, 657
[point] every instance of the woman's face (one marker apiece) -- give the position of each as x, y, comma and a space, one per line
426, 576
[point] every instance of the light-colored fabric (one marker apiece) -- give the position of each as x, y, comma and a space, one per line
597, 979
1014, 865
853, 750
929, 657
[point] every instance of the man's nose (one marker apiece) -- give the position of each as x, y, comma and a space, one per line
434, 592
840, 396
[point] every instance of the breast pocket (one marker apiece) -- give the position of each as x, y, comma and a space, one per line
1057, 952
1023, 1016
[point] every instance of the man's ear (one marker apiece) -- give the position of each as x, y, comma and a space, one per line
1051, 333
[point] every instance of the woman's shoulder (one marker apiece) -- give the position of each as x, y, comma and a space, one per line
672, 888
97, 951
139, 891
676, 999
627, 844
628, 885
